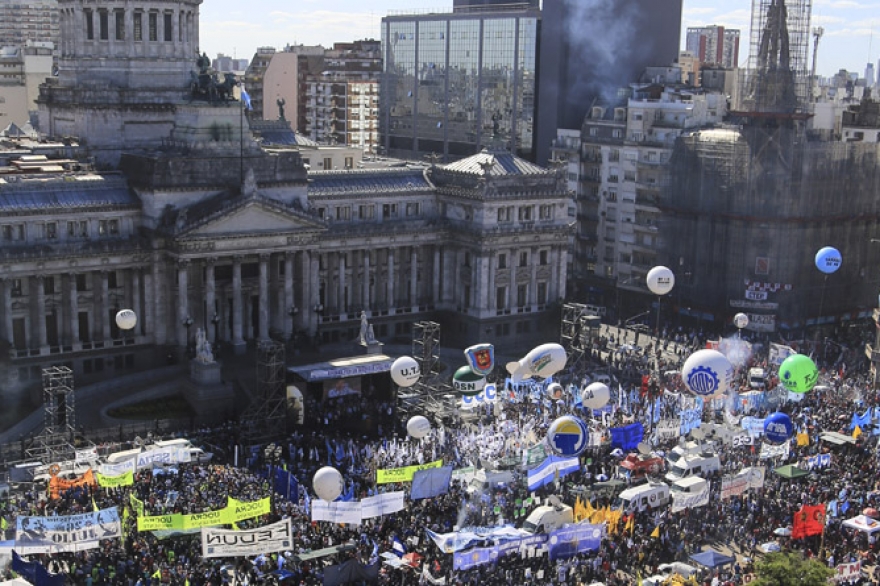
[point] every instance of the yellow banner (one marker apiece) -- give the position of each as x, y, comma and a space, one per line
126, 479
404, 474
234, 512
137, 505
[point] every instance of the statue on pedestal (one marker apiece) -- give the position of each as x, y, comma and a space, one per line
203, 348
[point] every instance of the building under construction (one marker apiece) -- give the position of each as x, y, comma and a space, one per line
750, 204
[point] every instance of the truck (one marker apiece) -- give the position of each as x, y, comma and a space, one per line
757, 378
690, 485
549, 517
698, 465
643, 497
636, 466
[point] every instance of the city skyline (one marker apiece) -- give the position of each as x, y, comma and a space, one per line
227, 28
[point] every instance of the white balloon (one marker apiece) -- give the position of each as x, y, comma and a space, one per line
596, 395
707, 373
555, 390
418, 426
126, 319
660, 280
740, 320
544, 361
327, 483
405, 371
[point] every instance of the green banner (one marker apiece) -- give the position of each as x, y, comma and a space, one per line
404, 474
234, 512
126, 479
534, 455
137, 505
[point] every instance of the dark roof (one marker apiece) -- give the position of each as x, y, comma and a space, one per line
502, 163
370, 181
64, 195
285, 137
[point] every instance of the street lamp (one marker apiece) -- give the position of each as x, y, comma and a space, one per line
215, 321
187, 322
272, 455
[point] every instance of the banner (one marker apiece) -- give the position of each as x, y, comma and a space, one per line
772, 451
534, 455
683, 500
689, 420
742, 438
430, 483
736, 484
819, 461
779, 352
137, 505
465, 560
159, 456
57, 485
242, 510
66, 533
118, 469
668, 429
753, 425
233, 512
404, 474
126, 479
851, 572
221, 543
337, 512
86, 455
809, 520
382, 504
465, 538
627, 437
34, 572
574, 539
550, 469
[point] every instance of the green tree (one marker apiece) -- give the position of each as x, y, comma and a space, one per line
791, 569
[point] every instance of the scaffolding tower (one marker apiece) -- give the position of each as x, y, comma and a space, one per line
268, 411
55, 442
575, 334
429, 395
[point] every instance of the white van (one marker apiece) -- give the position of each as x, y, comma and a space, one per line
645, 496
757, 378
698, 465
682, 450
690, 485
547, 518
489, 480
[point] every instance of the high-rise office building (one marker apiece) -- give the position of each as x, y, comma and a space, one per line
591, 49
455, 82
714, 45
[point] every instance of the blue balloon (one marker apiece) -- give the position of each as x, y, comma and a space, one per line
828, 260
778, 428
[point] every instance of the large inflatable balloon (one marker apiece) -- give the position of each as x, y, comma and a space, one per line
707, 373
740, 320
596, 395
798, 373
126, 319
468, 382
778, 428
568, 436
418, 426
327, 483
544, 361
405, 371
555, 391
489, 394
481, 358
828, 260
660, 280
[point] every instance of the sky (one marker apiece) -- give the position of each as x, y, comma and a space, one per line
237, 28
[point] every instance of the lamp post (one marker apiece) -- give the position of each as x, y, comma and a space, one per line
272, 455
293, 312
187, 323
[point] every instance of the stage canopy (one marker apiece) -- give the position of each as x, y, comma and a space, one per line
344, 367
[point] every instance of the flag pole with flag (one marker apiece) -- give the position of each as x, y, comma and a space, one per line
245, 105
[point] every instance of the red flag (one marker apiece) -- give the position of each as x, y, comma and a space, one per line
799, 524
815, 519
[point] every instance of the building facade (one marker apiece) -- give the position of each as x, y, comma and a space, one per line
22, 70
453, 83
29, 21
714, 45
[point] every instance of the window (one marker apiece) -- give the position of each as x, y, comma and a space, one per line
543, 257
322, 212
546, 212
154, 26
7, 232
78, 229
328, 163
90, 25
521, 295
51, 230
104, 25
594, 131
113, 227
389, 210
412, 209
120, 25
525, 214
501, 297
468, 213
505, 214
542, 293
16, 288
49, 285
467, 259
523, 259
112, 280
82, 284
102, 227
617, 134
366, 212
167, 29
343, 213
349, 162
138, 26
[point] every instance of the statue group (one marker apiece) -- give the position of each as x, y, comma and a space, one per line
206, 85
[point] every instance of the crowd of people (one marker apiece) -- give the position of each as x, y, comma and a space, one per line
495, 436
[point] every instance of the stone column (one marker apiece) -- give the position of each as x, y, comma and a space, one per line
413, 276
289, 302
365, 286
148, 325
182, 301
160, 295
237, 339
41, 310
511, 290
314, 289
72, 311
342, 301
553, 285
136, 299
563, 273
390, 292
436, 292
492, 261
210, 300
533, 280
105, 306
6, 334
264, 297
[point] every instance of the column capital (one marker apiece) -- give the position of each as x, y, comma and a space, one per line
264, 256
237, 258
183, 263
210, 261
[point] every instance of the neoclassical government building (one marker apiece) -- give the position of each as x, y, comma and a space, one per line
189, 219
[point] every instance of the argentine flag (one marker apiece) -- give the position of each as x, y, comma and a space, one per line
246, 99
397, 547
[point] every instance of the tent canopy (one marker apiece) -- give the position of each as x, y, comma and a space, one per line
837, 439
791, 471
712, 559
863, 523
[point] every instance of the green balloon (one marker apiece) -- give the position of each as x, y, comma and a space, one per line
467, 382
798, 373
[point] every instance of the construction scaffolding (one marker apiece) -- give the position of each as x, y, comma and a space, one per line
55, 442
268, 411
431, 395
575, 334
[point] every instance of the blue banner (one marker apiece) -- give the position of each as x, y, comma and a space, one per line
551, 468
861, 420
690, 419
430, 483
628, 437
574, 539
285, 484
465, 560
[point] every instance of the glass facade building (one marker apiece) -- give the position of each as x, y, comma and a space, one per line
454, 83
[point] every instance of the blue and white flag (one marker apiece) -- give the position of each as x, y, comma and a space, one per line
397, 547
547, 470
246, 99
